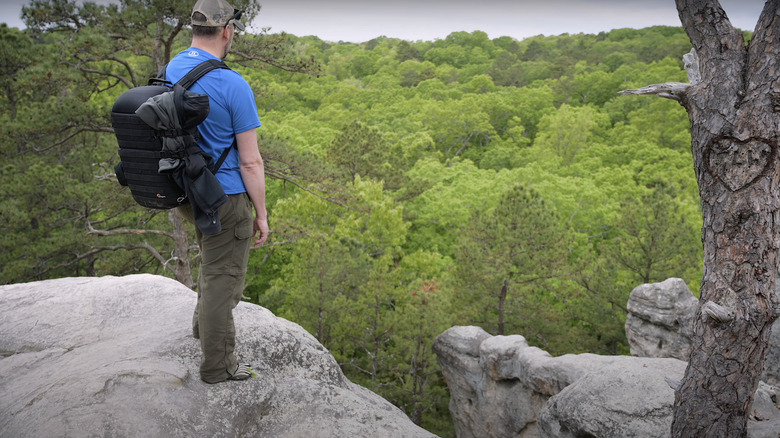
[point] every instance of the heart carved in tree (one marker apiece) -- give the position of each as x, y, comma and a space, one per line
738, 163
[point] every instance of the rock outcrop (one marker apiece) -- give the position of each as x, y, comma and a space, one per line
660, 324
115, 357
660, 319
500, 386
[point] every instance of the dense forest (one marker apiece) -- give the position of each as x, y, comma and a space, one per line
412, 185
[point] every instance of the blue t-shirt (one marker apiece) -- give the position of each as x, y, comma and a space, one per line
232, 110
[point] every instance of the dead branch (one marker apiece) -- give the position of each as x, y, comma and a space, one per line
135, 231
674, 90
670, 90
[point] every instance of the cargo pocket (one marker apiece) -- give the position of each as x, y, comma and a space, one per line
246, 222
244, 229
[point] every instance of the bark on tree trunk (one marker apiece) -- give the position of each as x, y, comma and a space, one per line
734, 129
734, 132
181, 249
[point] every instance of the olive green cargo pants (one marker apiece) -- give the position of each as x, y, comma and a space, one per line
224, 258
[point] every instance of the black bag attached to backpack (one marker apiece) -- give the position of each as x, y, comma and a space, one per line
142, 151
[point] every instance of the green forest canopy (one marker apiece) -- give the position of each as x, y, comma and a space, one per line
413, 186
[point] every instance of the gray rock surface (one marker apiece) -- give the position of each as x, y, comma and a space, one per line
660, 319
499, 384
502, 387
111, 356
764, 419
627, 399
772, 365
633, 400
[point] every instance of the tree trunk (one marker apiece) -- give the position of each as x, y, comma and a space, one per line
502, 307
376, 338
732, 104
734, 130
181, 249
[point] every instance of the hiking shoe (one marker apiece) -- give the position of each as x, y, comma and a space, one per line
243, 372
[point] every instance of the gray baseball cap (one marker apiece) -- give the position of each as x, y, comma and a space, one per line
219, 13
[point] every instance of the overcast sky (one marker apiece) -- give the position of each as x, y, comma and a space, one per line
363, 20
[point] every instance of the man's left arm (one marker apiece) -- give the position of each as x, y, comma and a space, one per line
253, 174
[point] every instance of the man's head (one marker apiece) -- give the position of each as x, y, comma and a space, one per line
215, 14
212, 19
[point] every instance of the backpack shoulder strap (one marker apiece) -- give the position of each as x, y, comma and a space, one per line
200, 70
190, 78
159, 77
223, 157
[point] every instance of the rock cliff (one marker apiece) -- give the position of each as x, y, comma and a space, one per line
502, 387
82, 357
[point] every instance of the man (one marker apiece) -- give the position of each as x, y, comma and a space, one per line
224, 256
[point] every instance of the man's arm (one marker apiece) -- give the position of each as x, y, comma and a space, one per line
253, 174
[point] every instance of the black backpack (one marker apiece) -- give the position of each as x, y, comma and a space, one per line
141, 146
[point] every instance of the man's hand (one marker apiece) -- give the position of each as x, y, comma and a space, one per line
261, 227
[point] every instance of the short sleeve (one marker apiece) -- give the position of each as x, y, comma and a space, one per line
242, 104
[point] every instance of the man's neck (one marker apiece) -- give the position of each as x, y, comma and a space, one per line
213, 47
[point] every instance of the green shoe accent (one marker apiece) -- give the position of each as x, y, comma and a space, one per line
243, 372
